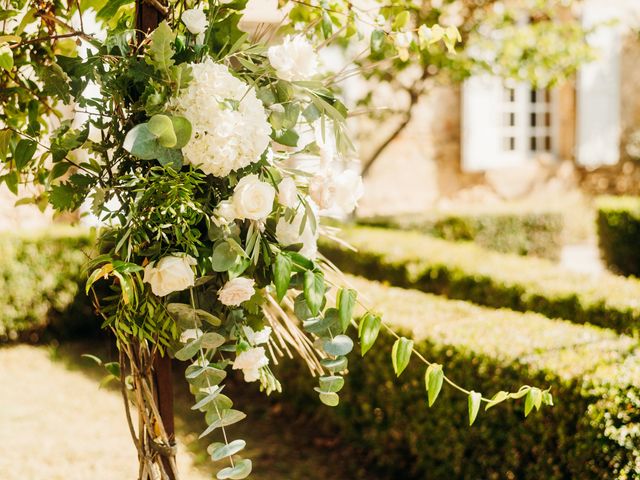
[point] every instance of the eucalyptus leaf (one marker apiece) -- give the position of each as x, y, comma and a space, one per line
331, 383
222, 450
339, 345
189, 350
161, 127
241, 469
212, 340
224, 257
329, 398
334, 365
227, 417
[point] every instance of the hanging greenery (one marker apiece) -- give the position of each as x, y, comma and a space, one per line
211, 157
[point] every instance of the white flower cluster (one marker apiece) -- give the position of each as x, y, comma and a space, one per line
230, 127
295, 59
252, 360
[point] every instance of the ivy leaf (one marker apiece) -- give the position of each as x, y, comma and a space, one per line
282, 268
368, 331
401, 354
433, 380
111, 8
497, 398
6, 57
160, 48
24, 152
533, 399
314, 290
346, 303
474, 405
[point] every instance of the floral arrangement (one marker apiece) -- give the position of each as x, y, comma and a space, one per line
212, 157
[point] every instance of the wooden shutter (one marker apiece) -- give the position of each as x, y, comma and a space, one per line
481, 100
598, 91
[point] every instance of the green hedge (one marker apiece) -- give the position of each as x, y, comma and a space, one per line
41, 282
592, 432
619, 233
468, 272
528, 233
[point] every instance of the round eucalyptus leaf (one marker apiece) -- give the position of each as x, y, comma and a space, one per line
162, 127
222, 450
329, 398
331, 383
182, 129
241, 470
338, 345
334, 364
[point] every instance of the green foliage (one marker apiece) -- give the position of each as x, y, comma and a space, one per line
592, 433
619, 233
40, 279
522, 233
469, 272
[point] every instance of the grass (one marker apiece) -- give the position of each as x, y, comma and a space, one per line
281, 444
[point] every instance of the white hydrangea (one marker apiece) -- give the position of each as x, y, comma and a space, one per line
230, 127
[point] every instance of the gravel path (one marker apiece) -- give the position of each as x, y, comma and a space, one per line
57, 424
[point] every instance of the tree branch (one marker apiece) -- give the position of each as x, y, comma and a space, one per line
415, 93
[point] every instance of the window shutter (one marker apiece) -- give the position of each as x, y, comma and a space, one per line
598, 92
481, 99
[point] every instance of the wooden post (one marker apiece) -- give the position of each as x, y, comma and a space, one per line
148, 17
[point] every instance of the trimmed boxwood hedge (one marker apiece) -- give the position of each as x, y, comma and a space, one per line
41, 282
619, 233
592, 432
468, 272
528, 233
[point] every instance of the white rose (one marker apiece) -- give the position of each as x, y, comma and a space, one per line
295, 59
252, 198
236, 291
190, 334
195, 20
256, 338
322, 190
348, 190
224, 213
288, 193
403, 39
172, 273
250, 362
289, 234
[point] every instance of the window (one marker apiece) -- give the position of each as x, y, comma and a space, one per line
527, 124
